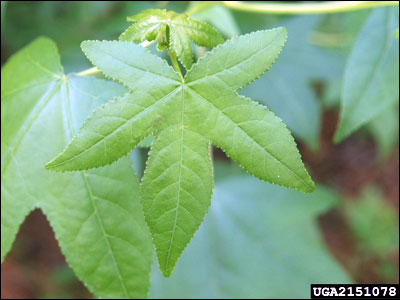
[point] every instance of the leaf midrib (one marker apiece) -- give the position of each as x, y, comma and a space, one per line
179, 180
226, 68
125, 123
91, 195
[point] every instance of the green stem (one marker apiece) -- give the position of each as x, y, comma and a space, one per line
306, 8
200, 7
175, 64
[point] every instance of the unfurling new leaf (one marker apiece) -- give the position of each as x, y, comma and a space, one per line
173, 32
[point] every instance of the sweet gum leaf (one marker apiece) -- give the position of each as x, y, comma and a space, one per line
41, 108
185, 116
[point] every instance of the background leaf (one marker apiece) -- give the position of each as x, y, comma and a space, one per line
384, 128
34, 72
245, 246
41, 110
370, 83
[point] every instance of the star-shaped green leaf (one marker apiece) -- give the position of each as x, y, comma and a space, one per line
185, 115
173, 31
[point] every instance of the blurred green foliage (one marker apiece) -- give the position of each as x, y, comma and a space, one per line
69, 23
373, 222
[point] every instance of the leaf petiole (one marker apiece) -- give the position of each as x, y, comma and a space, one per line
175, 64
